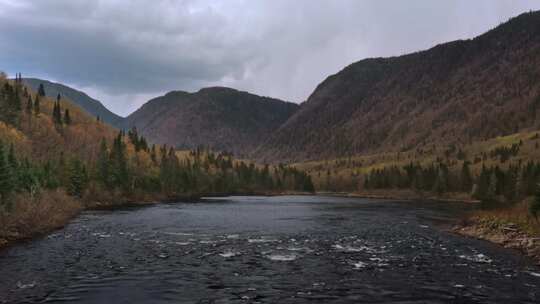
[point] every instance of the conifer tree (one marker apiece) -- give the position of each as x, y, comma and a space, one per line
119, 168
41, 90
465, 177
77, 178
6, 183
67, 117
534, 208
29, 106
153, 155
36, 105
103, 163
57, 113
492, 188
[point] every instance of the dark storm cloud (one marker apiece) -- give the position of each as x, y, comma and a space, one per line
123, 52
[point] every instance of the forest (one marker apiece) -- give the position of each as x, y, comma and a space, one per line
56, 160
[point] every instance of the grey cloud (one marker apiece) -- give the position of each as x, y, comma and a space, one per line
124, 51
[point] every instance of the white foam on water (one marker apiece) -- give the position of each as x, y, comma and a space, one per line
305, 249
101, 235
21, 285
349, 248
459, 286
229, 254
262, 240
380, 262
478, 258
207, 242
233, 236
534, 274
360, 265
282, 257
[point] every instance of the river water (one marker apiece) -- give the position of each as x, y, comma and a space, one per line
287, 249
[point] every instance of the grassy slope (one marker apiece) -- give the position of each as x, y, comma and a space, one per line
348, 173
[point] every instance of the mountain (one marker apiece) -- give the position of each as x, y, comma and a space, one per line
220, 118
453, 93
90, 105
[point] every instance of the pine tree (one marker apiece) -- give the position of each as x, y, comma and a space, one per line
41, 90
534, 208
492, 188
29, 106
6, 182
36, 105
441, 182
465, 177
67, 117
482, 184
103, 163
119, 168
77, 178
57, 113
153, 155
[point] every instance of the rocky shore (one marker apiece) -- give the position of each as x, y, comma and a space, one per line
508, 235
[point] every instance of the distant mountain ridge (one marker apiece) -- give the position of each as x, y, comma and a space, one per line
87, 103
221, 118
450, 94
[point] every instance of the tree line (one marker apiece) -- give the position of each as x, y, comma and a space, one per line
125, 164
493, 183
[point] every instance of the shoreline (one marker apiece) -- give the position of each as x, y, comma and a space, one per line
404, 195
16, 235
507, 235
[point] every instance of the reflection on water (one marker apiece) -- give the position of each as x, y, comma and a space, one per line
289, 249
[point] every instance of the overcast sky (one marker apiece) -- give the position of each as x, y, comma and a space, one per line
125, 52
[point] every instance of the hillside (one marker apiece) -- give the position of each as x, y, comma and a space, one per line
454, 93
56, 159
220, 118
90, 105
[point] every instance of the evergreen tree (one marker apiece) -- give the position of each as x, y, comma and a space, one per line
67, 117
29, 105
534, 208
441, 182
36, 105
57, 113
492, 188
77, 178
6, 182
466, 178
119, 167
103, 163
153, 155
41, 90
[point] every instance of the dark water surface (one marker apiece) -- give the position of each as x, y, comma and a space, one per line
289, 249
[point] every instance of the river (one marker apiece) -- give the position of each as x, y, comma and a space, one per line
285, 249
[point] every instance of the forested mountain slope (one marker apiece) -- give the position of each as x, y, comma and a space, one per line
454, 93
221, 118
90, 105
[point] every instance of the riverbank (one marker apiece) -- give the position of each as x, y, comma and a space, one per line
407, 194
31, 217
506, 234
510, 227
28, 217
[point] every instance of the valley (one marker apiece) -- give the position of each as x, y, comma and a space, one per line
383, 184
